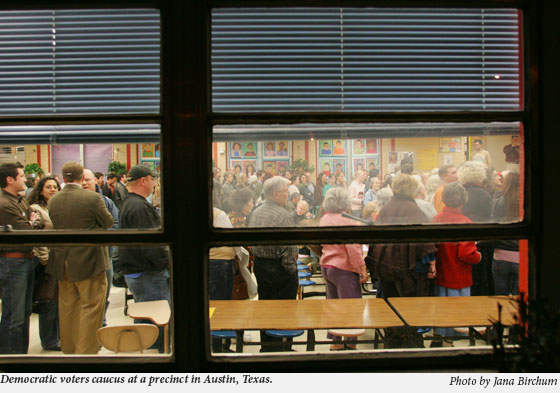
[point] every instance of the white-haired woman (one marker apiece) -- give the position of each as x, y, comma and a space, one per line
472, 175
342, 265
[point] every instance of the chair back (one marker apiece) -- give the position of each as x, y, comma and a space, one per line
128, 338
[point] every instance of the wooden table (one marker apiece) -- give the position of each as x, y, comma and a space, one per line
240, 315
157, 311
466, 311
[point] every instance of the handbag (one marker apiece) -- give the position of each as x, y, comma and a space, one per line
45, 287
240, 291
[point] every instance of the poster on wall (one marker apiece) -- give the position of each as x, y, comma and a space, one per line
236, 150
157, 150
270, 167
339, 164
426, 159
325, 148
158, 166
325, 165
449, 145
250, 149
281, 166
149, 164
249, 167
339, 148
372, 163
269, 149
282, 149
147, 150
358, 164
359, 147
371, 146
236, 163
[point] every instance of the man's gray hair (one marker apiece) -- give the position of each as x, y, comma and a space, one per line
337, 200
272, 185
454, 195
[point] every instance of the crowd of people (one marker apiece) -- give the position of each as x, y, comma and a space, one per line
69, 286
472, 192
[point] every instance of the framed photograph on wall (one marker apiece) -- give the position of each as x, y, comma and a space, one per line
325, 148
236, 149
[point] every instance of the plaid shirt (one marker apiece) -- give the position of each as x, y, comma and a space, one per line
270, 214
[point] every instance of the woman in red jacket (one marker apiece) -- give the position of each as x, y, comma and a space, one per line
454, 260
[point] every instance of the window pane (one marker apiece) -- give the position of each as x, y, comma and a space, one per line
369, 162
113, 157
79, 62
110, 303
447, 294
365, 59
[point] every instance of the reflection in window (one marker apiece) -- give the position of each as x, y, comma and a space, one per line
376, 164
335, 297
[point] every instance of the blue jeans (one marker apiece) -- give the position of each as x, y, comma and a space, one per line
220, 285
16, 280
147, 287
506, 277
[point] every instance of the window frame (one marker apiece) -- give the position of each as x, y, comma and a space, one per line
187, 153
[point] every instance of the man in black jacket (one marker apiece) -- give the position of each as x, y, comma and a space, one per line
145, 267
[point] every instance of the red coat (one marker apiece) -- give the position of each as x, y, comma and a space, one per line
454, 260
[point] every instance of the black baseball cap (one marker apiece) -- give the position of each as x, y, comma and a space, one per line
138, 172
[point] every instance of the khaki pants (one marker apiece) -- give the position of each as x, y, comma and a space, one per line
81, 307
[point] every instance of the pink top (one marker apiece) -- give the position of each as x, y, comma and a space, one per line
357, 194
342, 256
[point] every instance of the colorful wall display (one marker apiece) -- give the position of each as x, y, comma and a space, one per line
150, 155
449, 145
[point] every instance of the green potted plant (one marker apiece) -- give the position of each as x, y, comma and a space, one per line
300, 166
33, 168
118, 168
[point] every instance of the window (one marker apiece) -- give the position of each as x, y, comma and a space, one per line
187, 155
355, 73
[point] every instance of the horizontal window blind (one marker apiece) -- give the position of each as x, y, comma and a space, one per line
79, 62
359, 131
102, 133
369, 59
